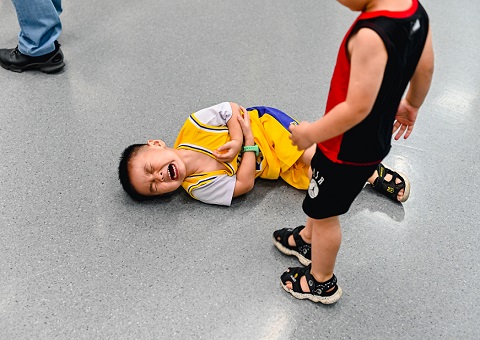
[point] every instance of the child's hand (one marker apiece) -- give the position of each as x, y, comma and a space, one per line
228, 151
404, 120
299, 135
246, 127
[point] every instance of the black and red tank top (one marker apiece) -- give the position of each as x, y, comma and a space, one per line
404, 35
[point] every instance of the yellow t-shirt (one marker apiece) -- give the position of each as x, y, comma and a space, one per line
206, 130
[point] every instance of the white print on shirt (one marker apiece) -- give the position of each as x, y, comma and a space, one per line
316, 181
415, 27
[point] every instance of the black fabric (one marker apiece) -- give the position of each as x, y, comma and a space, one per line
333, 187
404, 39
388, 188
300, 247
294, 275
321, 288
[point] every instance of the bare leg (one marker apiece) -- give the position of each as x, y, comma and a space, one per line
326, 239
306, 158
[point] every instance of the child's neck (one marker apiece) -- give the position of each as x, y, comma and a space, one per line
197, 162
388, 5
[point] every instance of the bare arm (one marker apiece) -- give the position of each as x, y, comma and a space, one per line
368, 58
246, 170
234, 128
417, 91
228, 151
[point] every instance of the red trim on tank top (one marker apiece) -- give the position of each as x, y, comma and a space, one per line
390, 14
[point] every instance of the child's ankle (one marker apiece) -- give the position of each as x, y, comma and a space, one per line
321, 277
305, 237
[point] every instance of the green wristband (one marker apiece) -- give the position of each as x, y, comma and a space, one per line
251, 148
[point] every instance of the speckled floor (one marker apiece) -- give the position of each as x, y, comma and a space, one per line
80, 260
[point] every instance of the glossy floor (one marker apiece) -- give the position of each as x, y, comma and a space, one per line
79, 260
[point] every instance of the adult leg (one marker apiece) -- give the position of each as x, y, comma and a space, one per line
37, 48
58, 6
39, 24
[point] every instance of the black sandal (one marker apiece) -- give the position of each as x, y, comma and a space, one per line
391, 188
301, 249
319, 291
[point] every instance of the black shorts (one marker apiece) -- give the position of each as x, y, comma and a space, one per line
333, 186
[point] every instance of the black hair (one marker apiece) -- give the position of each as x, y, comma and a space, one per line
123, 172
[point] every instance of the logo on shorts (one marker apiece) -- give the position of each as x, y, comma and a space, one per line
316, 181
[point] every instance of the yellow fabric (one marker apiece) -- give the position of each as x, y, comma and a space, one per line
279, 155
277, 158
196, 136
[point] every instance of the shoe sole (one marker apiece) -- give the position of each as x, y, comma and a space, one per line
52, 65
326, 300
303, 260
46, 69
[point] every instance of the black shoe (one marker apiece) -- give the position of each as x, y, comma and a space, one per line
14, 60
327, 292
301, 249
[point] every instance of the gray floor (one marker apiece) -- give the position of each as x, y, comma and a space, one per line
79, 260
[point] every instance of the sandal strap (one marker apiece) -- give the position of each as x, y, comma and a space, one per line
294, 275
300, 244
321, 288
296, 235
388, 188
302, 247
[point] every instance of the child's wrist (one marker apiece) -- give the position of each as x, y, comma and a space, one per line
249, 142
408, 103
251, 148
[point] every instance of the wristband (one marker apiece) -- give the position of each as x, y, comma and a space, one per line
251, 148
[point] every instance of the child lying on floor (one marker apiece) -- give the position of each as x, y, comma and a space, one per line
219, 153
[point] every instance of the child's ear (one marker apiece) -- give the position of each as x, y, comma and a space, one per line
156, 142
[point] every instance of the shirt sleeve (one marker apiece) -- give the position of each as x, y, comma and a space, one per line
219, 191
217, 115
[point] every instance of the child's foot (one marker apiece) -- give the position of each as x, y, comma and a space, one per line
289, 242
301, 284
392, 184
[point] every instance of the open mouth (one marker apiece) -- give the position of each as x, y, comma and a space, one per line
172, 172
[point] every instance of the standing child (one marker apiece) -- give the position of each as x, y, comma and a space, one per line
387, 48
